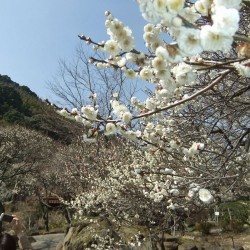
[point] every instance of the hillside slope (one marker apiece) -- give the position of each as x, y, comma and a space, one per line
19, 105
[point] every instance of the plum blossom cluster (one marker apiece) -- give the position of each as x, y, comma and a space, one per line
189, 141
172, 74
141, 176
181, 21
121, 38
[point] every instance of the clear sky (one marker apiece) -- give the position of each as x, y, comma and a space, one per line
35, 34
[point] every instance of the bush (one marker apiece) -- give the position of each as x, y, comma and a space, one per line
205, 227
13, 116
234, 215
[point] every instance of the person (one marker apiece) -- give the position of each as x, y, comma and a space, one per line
8, 241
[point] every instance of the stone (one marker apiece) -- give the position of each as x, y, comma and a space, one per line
59, 246
188, 237
211, 246
170, 245
188, 246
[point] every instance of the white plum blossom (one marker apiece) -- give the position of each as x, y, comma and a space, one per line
160, 5
127, 43
191, 193
175, 5
191, 172
150, 104
121, 62
87, 123
149, 27
159, 63
101, 65
163, 93
126, 117
110, 129
130, 73
200, 146
146, 73
63, 112
111, 47
121, 38
162, 74
195, 187
89, 112
193, 149
174, 192
205, 196
189, 41
115, 28
78, 118
147, 10
162, 53
173, 144
190, 14
118, 108
87, 139
171, 206
226, 20
134, 100
150, 37
213, 39
114, 103
138, 133
170, 53
177, 22
169, 171
155, 44
130, 135
74, 111
131, 57
184, 74
228, 3
202, 6
243, 70
150, 126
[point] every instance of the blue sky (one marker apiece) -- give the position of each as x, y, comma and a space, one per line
36, 34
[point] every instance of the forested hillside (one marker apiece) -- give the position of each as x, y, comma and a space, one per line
19, 105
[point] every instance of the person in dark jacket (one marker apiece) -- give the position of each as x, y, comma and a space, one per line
7, 242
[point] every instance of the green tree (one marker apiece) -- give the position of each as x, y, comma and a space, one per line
9, 99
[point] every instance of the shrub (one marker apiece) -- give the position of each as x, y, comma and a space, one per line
234, 215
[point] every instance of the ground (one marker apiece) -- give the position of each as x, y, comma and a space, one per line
225, 239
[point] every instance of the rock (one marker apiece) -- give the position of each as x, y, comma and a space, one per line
215, 230
100, 232
188, 246
188, 237
170, 245
238, 248
59, 246
67, 239
211, 245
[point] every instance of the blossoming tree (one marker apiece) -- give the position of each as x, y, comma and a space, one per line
22, 153
192, 132
78, 82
